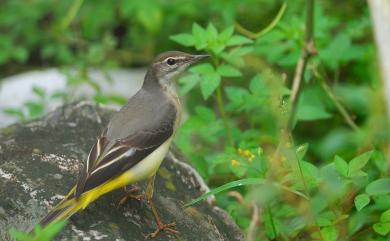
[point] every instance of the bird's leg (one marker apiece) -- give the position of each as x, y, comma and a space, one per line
160, 226
129, 194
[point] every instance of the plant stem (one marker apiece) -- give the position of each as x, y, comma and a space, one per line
344, 113
223, 115
272, 220
307, 51
220, 105
268, 28
317, 226
71, 14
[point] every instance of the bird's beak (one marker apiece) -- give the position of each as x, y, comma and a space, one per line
196, 58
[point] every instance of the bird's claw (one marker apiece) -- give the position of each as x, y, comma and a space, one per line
128, 195
164, 227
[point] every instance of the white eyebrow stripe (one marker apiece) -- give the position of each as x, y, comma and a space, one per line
175, 57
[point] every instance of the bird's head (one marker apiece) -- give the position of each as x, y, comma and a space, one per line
169, 65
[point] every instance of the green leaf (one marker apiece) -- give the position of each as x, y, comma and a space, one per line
184, 39
358, 163
200, 36
311, 105
378, 187
35, 109
227, 186
361, 201
225, 35
329, 233
188, 83
209, 84
58, 95
18, 235
341, 166
382, 228
301, 150
238, 40
205, 68
212, 32
336, 50
39, 91
18, 113
228, 71
106, 99
311, 112
385, 216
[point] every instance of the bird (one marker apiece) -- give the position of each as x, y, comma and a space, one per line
133, 144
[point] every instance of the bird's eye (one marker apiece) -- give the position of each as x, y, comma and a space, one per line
171, 61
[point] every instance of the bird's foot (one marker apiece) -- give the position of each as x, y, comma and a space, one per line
170, 228
130, 194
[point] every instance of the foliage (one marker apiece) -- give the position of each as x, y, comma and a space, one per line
326, 180
303, 192
40, 234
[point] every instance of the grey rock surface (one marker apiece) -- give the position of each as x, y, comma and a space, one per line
39, 163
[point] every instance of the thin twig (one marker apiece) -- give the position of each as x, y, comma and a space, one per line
307, 51
254, 222
344, 113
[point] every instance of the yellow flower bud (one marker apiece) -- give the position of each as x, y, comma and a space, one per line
235, 162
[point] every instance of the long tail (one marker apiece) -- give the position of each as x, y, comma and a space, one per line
64, 210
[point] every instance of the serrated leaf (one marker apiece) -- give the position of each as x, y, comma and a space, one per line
184, 39
361, 201
205, 68
341, 166
382, 228
238, 40
378, 187
228, 71
358, 163
212, 32
225, 35
200, 36
209, 83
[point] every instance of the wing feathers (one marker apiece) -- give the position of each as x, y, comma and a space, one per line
111, 157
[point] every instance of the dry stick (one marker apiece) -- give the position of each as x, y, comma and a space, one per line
348, 119
307, 51
254, 221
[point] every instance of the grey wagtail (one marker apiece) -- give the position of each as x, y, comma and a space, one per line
134, 143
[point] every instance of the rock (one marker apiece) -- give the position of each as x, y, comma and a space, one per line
39, 163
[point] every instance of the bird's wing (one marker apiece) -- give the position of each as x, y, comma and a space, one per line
110, 157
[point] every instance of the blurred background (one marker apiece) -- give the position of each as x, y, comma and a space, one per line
325, 178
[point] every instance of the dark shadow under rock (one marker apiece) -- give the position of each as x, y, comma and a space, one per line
39, 163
